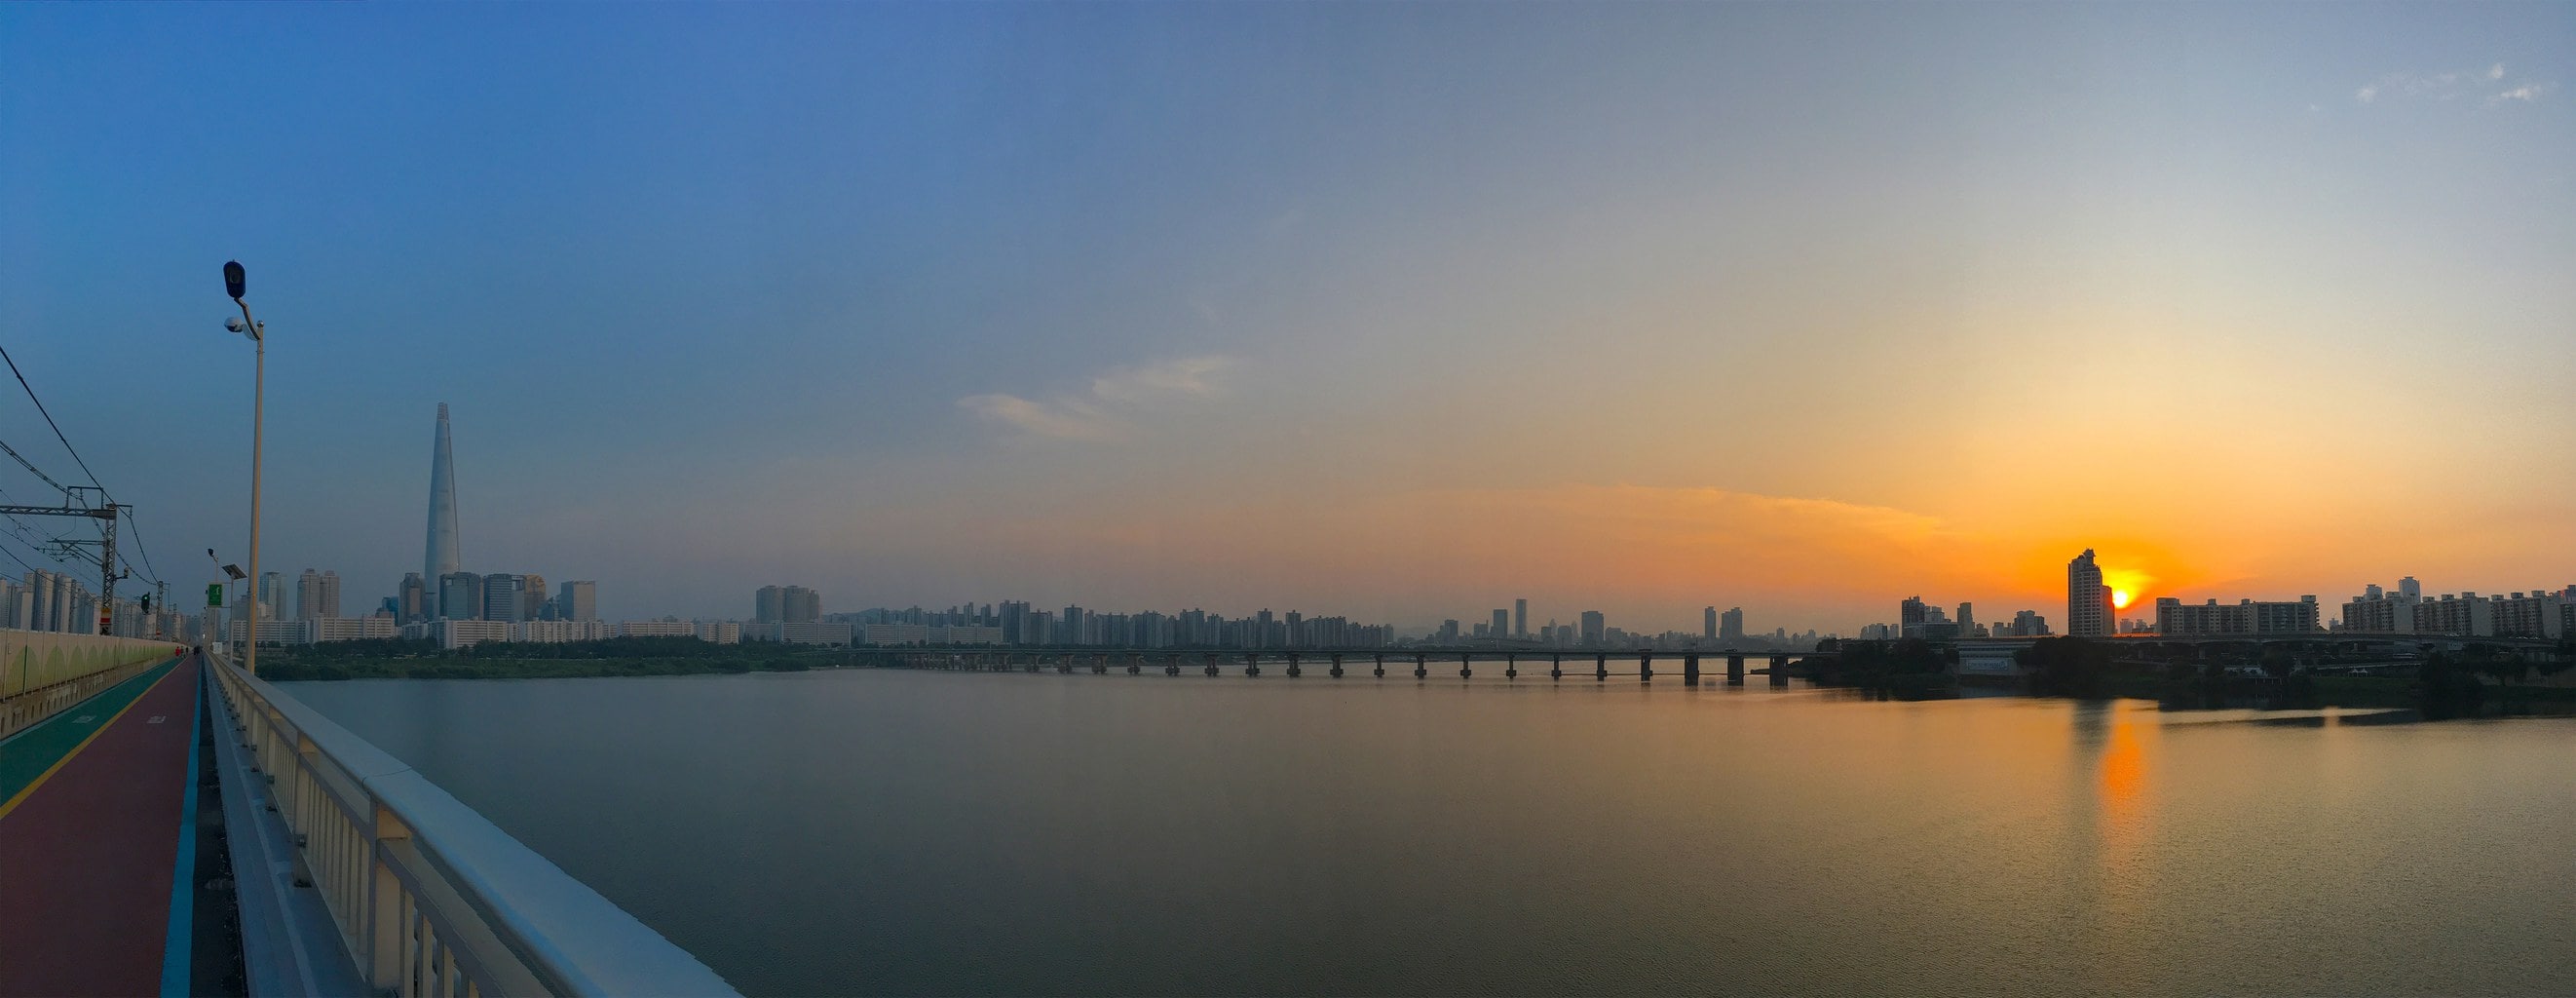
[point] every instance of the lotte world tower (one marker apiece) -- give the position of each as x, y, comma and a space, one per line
441, 558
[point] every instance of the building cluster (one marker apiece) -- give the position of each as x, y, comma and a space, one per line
2536, 613
54, 601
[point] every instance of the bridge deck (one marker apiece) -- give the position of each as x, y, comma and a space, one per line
93, 810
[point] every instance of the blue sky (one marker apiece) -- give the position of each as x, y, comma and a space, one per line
1394, 310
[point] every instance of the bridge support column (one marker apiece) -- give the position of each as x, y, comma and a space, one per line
1211, 665
1466, 667
1511, 666
1381, 667
1421, 667
1252, 665
1645, 667
1556, 667
1337, 665
1171, 665
1690, 669
1601, 667
1734, 668
1293, 671
1136, 665
1779, 670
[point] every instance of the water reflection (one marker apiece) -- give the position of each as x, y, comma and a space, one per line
867, 832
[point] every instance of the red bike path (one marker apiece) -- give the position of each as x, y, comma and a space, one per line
92, 808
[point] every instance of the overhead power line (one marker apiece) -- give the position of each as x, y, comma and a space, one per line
49, 421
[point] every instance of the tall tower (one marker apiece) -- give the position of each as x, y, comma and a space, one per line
441, 559
2088, 601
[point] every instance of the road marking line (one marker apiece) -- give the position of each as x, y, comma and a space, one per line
84, 719
12, 803
157, 718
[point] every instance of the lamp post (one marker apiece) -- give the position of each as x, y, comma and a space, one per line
232, 583
234, 284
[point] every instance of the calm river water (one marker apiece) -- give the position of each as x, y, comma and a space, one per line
880, 832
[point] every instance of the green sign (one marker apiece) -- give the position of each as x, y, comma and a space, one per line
214, 594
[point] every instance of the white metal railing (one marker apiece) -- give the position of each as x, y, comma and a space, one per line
430, 898
43, 672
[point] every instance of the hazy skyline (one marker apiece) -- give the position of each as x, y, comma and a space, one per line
1395, 312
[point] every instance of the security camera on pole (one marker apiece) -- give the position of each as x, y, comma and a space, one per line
235, 282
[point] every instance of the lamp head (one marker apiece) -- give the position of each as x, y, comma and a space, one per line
235, 325
234, 279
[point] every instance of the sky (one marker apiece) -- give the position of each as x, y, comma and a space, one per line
1396, 311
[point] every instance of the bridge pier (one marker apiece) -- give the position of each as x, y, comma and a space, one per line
1337, 665
1381, 667
1735, 668
1690, 669
1171, 665
1466, 665
1293, 671
1779, 670
1211, 665
1601, 667
1512, 666
1556, 667
1645, 667
1252, 665
1100, 665
1135, 664
1421, 666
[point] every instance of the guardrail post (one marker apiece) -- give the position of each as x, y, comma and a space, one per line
387, 923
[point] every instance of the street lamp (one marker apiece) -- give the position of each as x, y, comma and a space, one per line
235, 281
232, 581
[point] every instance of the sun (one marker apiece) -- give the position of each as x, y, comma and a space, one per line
2120, 599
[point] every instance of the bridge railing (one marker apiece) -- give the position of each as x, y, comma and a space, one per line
430, 898
44, 672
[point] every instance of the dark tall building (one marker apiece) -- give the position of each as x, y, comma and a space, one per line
1520, 618
1730, 625
1708, 622
2088, 601
1592, 627
1912, 611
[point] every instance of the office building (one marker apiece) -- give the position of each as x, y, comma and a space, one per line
1594, 630
1502, 624
271, 595
1520, 618
532, 597
1967, 620
1708, 623
578, 600
2088, 601
460, 596
440, 560
411, 599
503, 597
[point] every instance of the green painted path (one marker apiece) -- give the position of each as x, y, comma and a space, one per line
29, 756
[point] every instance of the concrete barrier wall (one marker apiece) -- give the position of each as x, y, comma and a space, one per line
42, 672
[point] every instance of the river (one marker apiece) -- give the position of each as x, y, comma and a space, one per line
887, 832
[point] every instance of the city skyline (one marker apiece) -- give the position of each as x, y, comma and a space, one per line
1799, 309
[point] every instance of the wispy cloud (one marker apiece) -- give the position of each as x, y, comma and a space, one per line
1110, 410
2488, 83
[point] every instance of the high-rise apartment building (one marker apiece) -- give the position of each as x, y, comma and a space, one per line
1502, 624
1708, 622
308, 595
1520, 618
1593, 627
440, 559
2088, 601
786, 605
1730, 625
1911, 612
272, 593
578, 600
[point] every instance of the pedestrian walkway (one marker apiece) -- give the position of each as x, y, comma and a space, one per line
94, 811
